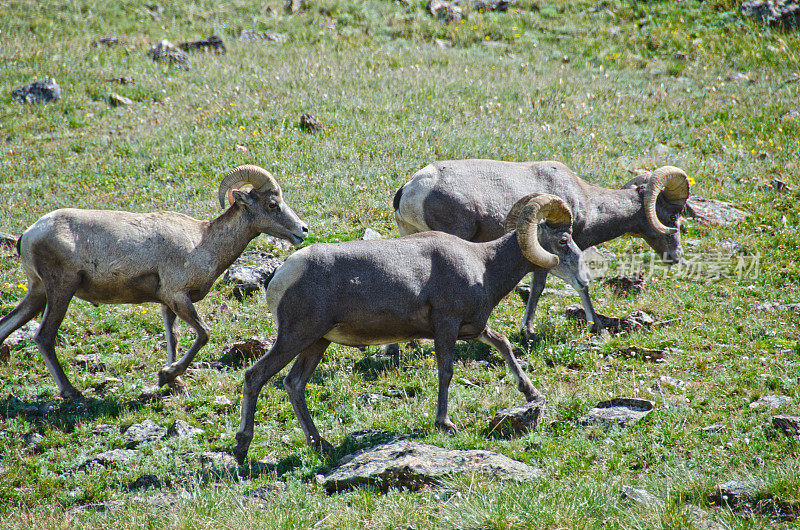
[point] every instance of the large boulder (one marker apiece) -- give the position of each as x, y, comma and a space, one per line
40, 91
412, 465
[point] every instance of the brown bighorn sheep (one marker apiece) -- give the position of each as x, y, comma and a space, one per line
113, 257
429, 285
469, 198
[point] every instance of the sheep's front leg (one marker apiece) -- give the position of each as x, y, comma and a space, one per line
267, 366
498, 340
538, 281
183, 307
444, 342
295, 384
169, 325
591, 316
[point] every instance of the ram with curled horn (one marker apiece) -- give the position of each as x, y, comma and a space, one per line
430, 285
114, 257
470, 198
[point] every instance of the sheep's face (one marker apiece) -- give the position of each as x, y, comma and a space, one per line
271, 215
668, 246
571, 267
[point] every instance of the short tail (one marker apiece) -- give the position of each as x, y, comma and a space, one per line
19, 241
397, 197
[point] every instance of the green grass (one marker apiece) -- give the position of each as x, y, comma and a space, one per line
594, 85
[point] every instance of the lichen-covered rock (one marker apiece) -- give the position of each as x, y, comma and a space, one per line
518, 419
212, 44
713, 211
167, 52
412, 465
146, 431
445, 11
252, 271
183, 429
617, 412
784, 14
40, 91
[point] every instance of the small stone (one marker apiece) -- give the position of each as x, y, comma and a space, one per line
250, 349
222, 401
641, 496
90, 362
103, 385
105, 428
518, 419
776, 306
183, 429
370, 234
771, 402
310, 124
32, 439
673, 382
121, 80
492, 5
268, 491
645, 354
788, 424
792, 115
714, 428
445, 11
240, 147
146, 431
165, 51
268, 36
216, 459
660, 150
733, 493
370, 398
618, 412
106, 41
115, 100
633, 284
212, 44
40, 91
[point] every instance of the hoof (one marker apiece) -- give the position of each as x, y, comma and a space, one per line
446, 426
178, 387
529, 338
324, 447
166, 376
242, 447
72, 394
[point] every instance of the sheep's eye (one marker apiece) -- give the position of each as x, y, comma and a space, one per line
563, 241
674, 219
273, 205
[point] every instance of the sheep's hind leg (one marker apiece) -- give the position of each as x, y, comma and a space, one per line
267, 366
33, 304
186, 311
59, 295
177, 385
538, 281
295, 384
498, 340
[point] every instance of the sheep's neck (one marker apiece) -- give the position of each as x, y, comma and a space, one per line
505, 266
611, 213
227, 236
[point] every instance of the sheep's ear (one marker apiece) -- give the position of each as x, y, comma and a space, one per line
243, 199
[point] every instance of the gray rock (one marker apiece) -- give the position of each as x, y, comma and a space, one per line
733, 493
310, 124
212, 44
222, 401
370, 234
660, 150
115, 457
636, 319
183, 429
105, 428
370, 398
518, 419
293, 6
8, 242
645, 354
788, 424
90, 362
784, 14
252, 271
702, 520
445, 11
268, 491
215, 459
626, 285
641, 496
115, 100
776, 306
714, 428
32, 439
618, 412
713, 211
40, 91
147, 431
771, 402
492, 5
412, 465
167, 52
267, 36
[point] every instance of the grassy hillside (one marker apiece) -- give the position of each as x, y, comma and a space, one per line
603, 87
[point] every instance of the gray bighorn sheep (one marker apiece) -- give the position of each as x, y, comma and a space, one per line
429, 285
113, 257
469, 198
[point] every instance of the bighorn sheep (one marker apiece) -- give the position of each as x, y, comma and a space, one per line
429, 285
469, 198
113, 257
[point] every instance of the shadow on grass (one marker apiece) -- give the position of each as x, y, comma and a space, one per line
62, 415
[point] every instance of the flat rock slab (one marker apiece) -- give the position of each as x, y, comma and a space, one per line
641, 496
412, 465
713, 211
115, 457
147, 431
252, 271
183, 429
518, 419
771, 402
618, 412
788, 424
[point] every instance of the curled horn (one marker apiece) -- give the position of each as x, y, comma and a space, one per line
674, 184
527, 212
258, 177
